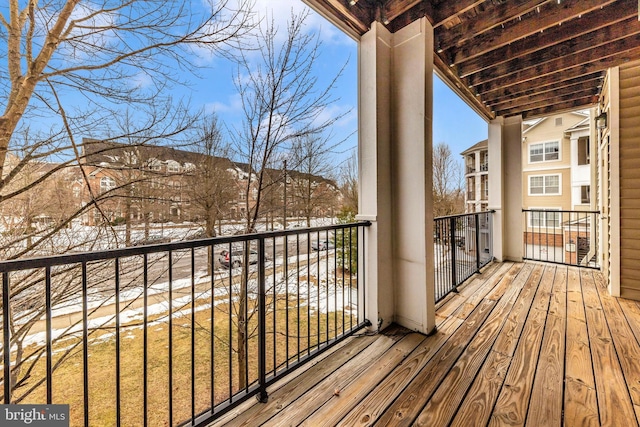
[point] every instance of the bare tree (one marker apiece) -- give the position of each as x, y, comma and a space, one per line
448, 196
349, 184
312, 190
75, 65
211, 184
282, 101
96, 51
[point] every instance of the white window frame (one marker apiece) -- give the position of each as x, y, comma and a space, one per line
106, 184
544, 218
544, 185
544, 151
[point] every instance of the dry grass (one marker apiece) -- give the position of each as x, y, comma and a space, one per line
68, 377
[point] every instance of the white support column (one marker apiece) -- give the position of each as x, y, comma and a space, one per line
395, 149
505, 187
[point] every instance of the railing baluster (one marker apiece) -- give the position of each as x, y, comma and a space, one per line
262, 325
193, 334
48, 333
452, 247
170, 362
6, 336
145, 339
118, 382
212, 367
85, 343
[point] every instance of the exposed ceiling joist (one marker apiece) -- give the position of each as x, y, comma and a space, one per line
507, 57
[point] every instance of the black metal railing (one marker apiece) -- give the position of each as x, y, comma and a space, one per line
561, 236
176, 333
462, 245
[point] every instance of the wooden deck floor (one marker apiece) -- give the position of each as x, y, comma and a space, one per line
524, 343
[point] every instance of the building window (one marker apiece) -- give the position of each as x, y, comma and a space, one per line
544, 152
173, 166
544, 184
484, 161
471, 188
471, 163
484, 184
544, 219
107, 183
585, 194
584, 155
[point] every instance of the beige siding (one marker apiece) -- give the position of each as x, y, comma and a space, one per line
630, 180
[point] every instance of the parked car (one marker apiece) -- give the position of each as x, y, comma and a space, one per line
153, 239
236, 257
322, 245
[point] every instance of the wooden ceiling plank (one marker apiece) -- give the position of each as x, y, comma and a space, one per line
563, 66
493, 16
395, 8
612, 39
557, 34
542, 85
549, 99
357, 17
418, 11
588, 86
573, 105
451, 9
546, 19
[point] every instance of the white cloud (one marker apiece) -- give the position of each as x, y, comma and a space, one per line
233, 105
280, 11
141, 81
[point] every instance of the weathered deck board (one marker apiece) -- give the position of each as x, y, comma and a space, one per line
535, 344
546, 397
614, 402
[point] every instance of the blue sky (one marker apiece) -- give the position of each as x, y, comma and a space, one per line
454, 122
213, 90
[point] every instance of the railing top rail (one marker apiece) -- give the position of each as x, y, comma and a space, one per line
463, 215
76, 258
559, 211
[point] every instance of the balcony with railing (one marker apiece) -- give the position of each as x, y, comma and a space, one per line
561, 236
187, 333
183, 332
179, 332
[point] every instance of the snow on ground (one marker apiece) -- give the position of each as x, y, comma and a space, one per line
328, 297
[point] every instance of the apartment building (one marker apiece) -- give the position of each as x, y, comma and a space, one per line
476, 175
557, 180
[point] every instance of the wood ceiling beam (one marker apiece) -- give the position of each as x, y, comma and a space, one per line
418, 11
577, 51
626, 10
576, 104
395, 8
570, 66
493, 15
449, 10
528, 98
356, 18
591, 93
547, 18
542, 85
